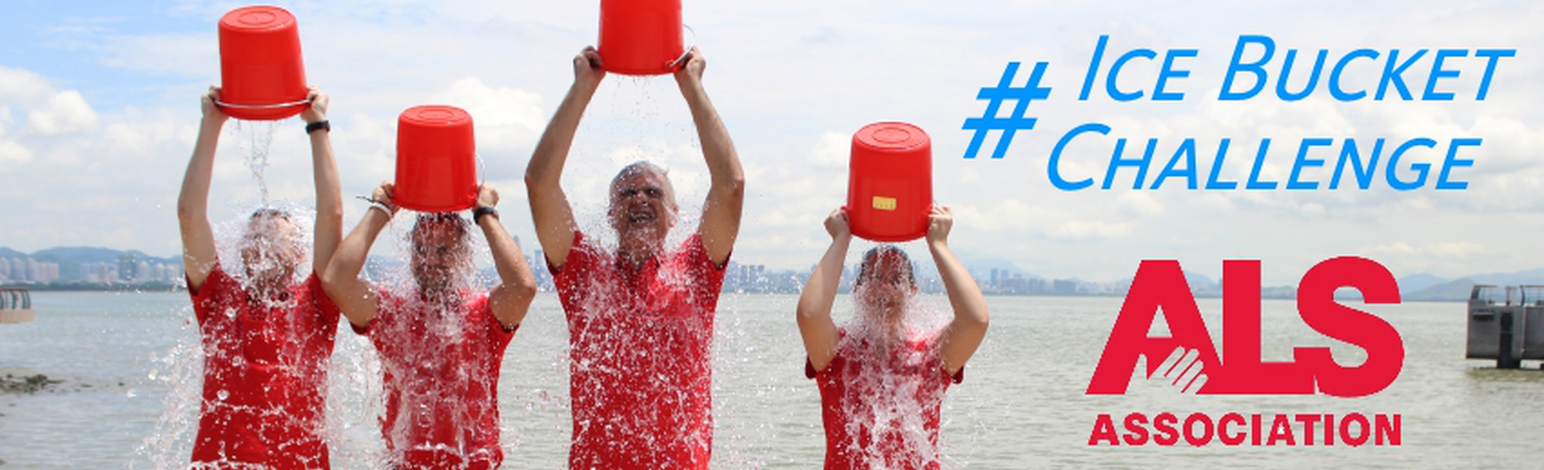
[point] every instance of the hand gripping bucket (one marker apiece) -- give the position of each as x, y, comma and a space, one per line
261, 74
890, 182
640, 37
436, 160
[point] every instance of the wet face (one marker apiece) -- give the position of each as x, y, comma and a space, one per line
439, 251
270, 250
642, 206
887, 283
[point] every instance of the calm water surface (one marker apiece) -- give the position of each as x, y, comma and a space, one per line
130, 365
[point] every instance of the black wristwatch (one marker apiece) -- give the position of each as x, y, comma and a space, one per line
319, 125
481, 211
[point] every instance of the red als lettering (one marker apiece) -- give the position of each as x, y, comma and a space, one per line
1316, 304
1159, 284
1242, 371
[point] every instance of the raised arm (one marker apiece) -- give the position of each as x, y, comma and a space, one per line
352, 295
511, 299
329, 193
550, 211
814, 311
970, 313
198, 250
726, 194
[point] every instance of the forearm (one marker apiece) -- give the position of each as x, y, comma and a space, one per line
193, 200
329, 199
546, 166
717, 147
507, 259
353, 251
964, 295
819, 293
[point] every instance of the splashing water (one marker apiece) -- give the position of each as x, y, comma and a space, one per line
890, 384
254, 138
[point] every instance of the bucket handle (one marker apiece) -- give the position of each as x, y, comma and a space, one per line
225, 104
681, 61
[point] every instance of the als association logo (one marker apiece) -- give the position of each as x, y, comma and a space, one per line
1188, 360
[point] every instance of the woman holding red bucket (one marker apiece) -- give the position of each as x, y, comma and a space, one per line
441, 343
883, 375
266, 337
881, 380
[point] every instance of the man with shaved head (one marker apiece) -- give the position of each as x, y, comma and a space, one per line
640, 318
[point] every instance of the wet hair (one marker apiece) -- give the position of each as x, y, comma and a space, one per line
641, 166
872, 256
457, 223
270, 212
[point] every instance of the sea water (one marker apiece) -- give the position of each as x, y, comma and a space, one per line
1021, 405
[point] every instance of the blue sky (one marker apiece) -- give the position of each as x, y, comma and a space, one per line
98, 109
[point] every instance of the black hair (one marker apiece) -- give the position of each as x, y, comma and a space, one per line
873, 254
266, 212
455, 220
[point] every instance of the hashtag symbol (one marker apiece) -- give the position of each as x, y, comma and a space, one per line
1009, 125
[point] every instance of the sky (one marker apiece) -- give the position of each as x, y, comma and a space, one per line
99, 110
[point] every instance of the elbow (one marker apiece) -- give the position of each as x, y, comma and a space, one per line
735, 183
186, 212
332, 214
978, 321
527, 288
533, 175
332, 278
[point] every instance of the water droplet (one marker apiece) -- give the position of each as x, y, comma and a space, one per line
153, 374
222, 395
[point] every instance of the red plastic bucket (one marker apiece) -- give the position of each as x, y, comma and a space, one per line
436, 160
640, 37
890, 182
261, 74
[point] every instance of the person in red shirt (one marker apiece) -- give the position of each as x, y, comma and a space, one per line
266, 337
640, 318
882, 380
440, 343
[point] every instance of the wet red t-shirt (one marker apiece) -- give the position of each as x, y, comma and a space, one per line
441, 381
265, 375
883, 412
641, 377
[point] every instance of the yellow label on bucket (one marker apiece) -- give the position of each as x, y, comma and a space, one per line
884, 203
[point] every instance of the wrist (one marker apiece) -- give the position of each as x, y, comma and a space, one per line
481, 211
318, 125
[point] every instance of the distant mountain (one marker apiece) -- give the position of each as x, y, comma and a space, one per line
83, 254
1531, 277
1448, 291
1419, 282
73, 260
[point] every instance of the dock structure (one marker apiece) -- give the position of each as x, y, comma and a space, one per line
15, 305
1508, 329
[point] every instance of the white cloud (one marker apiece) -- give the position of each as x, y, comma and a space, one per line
22, 87
13, 152
66, 112
831, 151
1140, 203
505, 118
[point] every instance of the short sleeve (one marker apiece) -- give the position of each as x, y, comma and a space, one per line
215, 285
327, 312
498, 335
697, 255
578, 256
